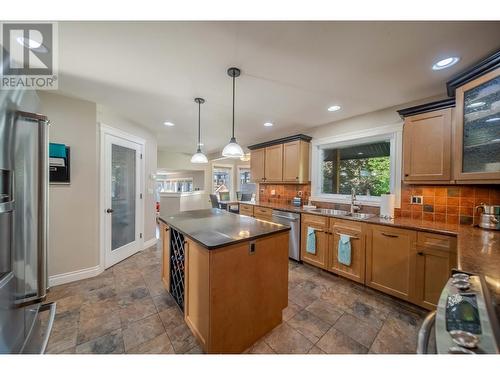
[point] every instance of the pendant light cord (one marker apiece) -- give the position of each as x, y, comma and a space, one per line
199, 124
233, 103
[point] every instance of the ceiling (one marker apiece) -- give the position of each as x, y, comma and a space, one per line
150, 72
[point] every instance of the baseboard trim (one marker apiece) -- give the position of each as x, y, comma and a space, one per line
149, 243
69, 277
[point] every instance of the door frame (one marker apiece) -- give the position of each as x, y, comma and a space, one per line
103, 131
232, 191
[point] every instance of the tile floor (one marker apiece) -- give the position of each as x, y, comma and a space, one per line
127, 310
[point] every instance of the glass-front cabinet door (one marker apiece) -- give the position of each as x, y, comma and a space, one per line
478, 129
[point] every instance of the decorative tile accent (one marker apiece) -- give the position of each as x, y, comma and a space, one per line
284, 193
447, 204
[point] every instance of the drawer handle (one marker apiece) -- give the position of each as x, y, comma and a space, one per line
348, 235
420, 253
390, 235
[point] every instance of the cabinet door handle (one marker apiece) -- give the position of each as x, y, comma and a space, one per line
390, 235
420, 253
406, 174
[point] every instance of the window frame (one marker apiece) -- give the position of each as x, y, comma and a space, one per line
223, 166
393, 133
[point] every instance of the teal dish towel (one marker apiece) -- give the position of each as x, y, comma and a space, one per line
311, 241
344, 252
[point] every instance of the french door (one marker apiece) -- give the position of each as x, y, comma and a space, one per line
122, 198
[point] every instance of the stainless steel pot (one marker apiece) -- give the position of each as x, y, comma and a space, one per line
490, 216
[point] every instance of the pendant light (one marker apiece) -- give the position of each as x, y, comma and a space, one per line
233, 149
199, 157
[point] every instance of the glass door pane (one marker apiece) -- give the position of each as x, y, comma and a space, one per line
123, 196
481, 136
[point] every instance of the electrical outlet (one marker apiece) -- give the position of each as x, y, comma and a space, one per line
273, 192
416, 199
299, 193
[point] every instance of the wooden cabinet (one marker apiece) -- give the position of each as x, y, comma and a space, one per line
165, 262
427, 147
246, 209
296, 162
390, 266
435, 257
273, 166
228, 311
356, 231
257, 164
320, 224
281, 160
477, 151
262, 213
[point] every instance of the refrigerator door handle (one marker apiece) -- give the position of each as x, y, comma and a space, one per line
43, 197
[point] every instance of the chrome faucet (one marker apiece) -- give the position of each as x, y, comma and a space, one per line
354, 208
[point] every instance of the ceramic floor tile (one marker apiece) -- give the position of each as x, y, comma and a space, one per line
64, 332
291, 310
367, 313
356, 329
315, 350
158, 345
142, 331
137, 310
336, 342
164, 301
260, 347
396, 336
308, 324
128, 297
325, 311
93, 328
286, 340
111, 343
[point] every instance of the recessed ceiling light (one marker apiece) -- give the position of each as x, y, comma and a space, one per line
268, 124
201, 144
476, 104
493, 119
168, 123
360, 153
333, 108
445, 63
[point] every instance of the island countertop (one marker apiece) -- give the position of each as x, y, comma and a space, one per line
214, 228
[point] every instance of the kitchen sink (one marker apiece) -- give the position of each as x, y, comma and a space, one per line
331, 212
361, 216
328, 211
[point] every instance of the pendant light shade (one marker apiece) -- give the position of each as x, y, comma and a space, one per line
199, 157
233, 149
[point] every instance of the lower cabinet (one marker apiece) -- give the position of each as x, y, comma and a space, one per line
263, 213
356, 232
408, 264
435, 257
246, 209
390, 266
320, 225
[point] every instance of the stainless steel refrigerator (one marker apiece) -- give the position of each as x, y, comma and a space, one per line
24, 326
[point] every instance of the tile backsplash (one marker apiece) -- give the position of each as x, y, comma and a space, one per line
284, 193
446, 204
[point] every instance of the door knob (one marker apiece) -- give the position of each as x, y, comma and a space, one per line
109, 210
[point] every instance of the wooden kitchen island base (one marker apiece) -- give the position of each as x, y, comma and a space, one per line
236, 294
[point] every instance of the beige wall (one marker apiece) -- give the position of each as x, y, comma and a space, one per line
114, 120
74, 241
73, 212
197, 176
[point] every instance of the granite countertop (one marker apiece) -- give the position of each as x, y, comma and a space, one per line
214, 228
478, 250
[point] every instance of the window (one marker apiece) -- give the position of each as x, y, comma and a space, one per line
245, 186
368, 162
364, 167
175, 185
222, 179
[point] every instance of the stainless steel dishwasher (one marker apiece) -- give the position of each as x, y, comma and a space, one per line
293, 221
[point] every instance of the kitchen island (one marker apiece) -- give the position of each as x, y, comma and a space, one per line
229, 274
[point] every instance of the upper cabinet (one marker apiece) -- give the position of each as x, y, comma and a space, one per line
273, 167
257, 162
284, 160
447, 145
427, 147
477, 146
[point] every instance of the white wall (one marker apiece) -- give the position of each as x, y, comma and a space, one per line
112, 119
197, 176
73, 209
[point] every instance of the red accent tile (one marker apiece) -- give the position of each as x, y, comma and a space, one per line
452, 201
